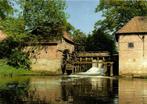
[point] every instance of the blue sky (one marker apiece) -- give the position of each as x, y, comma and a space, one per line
82, 14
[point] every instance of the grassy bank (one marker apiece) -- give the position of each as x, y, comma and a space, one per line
6, 70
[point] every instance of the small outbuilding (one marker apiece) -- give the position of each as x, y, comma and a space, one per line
132, 45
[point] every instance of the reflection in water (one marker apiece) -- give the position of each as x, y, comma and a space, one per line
59, 90
65, 90
90, 91
13, 92
133, 91
16, 91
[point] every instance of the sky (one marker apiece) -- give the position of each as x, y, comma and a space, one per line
82, 14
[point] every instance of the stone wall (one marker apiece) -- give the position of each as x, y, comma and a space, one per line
49, 58
132, 61
65, 45
50, 65
46, 58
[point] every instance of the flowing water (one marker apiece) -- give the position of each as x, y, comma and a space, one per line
96, 69
93, 71
72, 90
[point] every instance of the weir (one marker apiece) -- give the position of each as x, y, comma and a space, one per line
98, 63
96, 68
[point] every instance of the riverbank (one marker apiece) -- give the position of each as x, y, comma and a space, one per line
6, 70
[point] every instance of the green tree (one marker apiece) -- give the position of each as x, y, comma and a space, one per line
69, 28
100, 41
5, 8
79, 39
11, 49
39, 17
117, 12
44, 17
13, 27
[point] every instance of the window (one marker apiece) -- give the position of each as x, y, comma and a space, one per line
130, 45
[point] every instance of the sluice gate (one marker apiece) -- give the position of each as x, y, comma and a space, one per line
85, 60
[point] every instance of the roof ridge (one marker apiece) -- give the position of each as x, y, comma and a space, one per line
136, 24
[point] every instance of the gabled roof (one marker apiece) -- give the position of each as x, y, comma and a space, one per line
67, 37
136, 25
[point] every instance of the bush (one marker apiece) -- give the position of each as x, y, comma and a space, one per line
19, 59
11, 50
6, 47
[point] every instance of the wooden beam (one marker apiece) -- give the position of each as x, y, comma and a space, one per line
86, 62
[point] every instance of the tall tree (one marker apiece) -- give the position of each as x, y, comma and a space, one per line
44, 17
79, 39
117, 12
13, 27
100, 41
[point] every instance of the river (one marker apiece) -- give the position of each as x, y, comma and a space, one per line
72, 90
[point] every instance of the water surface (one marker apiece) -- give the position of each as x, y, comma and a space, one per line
72, 90
132, 91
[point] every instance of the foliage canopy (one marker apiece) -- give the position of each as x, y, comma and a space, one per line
36, 18
5, 8
117, 12
100, 41
80, 40
44, 17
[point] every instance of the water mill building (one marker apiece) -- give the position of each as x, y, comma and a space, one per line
132, 45
47, 55
50, 57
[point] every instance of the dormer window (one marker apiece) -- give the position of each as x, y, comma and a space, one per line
130, 45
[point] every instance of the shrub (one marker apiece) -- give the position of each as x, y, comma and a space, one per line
11, 50
19, 59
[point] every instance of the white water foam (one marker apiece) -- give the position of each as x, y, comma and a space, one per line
94, 70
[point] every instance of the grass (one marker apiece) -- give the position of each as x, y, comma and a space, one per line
6, 70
